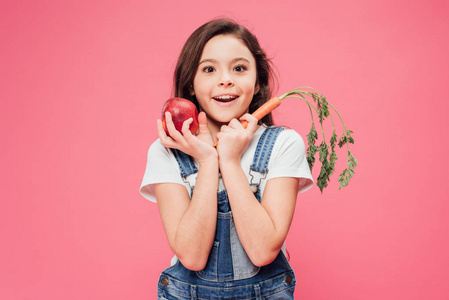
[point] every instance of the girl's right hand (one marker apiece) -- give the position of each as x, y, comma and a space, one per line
200, 146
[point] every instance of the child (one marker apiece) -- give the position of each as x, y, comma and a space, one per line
228, 244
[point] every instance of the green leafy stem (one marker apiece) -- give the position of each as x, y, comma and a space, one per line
328, 160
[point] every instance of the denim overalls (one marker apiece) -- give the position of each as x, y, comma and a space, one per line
229, 273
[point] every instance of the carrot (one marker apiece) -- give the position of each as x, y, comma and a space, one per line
323, 109
262, 111
265, 109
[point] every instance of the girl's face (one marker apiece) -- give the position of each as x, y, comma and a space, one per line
225, 81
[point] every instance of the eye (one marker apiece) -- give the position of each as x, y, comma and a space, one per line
208, 69
240, 68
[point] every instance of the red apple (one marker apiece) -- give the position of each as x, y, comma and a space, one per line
180, 110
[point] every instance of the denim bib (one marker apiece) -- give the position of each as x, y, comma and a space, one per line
228, 260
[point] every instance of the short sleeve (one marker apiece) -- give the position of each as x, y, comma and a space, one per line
161, 167
288, 159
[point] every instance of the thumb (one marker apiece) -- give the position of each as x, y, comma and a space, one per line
202, 120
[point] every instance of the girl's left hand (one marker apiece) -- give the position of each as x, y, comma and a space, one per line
234, 138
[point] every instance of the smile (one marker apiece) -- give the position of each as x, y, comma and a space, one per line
225, 98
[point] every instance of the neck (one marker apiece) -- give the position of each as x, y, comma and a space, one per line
214, 128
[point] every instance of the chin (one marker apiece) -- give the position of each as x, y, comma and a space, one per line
226, 120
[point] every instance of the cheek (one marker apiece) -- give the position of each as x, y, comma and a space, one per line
250, 87
194, 86
198, 82
251, 82
201, 84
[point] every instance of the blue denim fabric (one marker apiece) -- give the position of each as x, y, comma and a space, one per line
229, 273
274, 281
262, 157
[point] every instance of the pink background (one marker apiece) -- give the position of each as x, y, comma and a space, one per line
82, 83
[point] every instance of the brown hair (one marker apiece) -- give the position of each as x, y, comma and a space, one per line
193, 48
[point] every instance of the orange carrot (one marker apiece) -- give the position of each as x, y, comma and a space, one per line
265, 109
262, 111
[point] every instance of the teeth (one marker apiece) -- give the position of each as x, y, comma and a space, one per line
225, 97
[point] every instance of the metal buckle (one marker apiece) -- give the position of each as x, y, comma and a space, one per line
259, 180
191, 184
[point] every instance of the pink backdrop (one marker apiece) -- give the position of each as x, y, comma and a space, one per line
82, 83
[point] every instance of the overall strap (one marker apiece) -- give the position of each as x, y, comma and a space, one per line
185, 163
262, 157
187, 167
264, 148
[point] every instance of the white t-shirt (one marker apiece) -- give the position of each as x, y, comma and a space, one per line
288, 159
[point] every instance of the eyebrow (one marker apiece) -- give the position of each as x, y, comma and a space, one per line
212, 60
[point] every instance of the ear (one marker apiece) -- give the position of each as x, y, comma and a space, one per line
191, 90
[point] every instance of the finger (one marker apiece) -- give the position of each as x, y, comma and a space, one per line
252, 122
202, 120
235, 124
225, 128
165, 139
160, 129
185, 127
249, 118
175, 134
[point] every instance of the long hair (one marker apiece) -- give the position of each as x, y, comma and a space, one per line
193, 48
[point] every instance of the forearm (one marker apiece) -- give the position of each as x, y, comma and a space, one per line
196, 230
256, 229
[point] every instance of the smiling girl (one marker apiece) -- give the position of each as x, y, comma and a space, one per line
227, 210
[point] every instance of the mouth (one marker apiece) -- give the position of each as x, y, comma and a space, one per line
225, 98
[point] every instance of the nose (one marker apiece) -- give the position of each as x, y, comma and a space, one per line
225, 80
